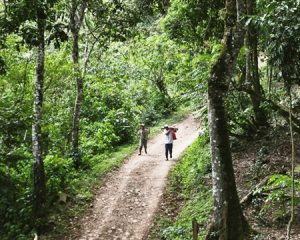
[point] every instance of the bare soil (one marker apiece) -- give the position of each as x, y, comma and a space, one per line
125, 204
259, 159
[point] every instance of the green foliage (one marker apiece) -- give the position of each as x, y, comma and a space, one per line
199, 208
279, 186
58, 98
194, 165
15, 201
240, 112
281, 28
78, 186
61, 172
15, 103
127, 80
143, 79
98, 138
20, 17
115, 103
194, 21
154, 71
276, 206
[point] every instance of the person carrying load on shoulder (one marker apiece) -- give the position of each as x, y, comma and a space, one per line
170, 135
143, 134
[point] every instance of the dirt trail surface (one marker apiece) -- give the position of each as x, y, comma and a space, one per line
125, 205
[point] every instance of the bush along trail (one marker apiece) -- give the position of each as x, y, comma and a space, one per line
125, 204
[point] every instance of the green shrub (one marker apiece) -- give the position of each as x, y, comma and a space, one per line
189, 180
59, 172
15, 201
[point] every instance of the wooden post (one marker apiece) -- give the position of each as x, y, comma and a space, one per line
195, 226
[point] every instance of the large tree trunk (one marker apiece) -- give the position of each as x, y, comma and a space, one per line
228, 220
252, 73
38, 168
76, 20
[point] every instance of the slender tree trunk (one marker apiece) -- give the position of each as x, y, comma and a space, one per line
292, 218
78, 101
76, 20
38, 168
252, 72
228, 220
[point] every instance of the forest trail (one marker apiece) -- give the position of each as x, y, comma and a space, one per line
125, 205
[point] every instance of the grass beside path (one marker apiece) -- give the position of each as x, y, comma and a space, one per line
187, 196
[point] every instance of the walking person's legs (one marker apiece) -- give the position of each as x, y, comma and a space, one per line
145, 146
171, 149
140, 147
166, 151
143, 143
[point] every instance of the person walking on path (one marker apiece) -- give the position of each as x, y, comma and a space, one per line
143, 133
169, 137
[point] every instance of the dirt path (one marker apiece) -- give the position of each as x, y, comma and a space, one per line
124, 206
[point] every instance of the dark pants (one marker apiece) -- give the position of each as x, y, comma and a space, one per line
169, 148
143, 143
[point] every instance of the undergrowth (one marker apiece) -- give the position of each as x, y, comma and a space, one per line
189, 184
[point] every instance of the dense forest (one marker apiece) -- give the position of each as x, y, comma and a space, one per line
77, 78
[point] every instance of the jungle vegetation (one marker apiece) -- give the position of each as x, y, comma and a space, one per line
78, 77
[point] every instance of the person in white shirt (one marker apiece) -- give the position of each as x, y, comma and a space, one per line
169, 137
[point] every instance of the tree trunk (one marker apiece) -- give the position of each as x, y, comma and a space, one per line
252, 73
228, 220
38, 168
78, 101
75, 25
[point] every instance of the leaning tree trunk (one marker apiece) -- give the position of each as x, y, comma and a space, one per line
252, 73
228, 222
38, 168
76, 20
